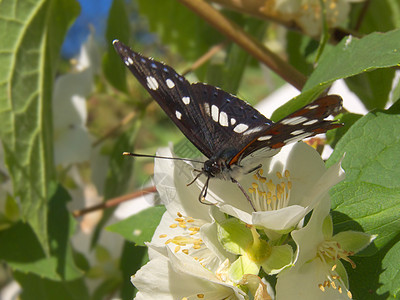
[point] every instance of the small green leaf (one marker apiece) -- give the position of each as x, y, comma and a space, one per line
350, 57
36, 287
117, 28
132, 258
383, 15
353, 56
242, 266
354, 241
139, 228
279, 258
11, 209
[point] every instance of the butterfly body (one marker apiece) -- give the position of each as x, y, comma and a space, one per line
228, 131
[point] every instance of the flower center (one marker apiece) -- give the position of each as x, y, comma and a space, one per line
188, 238
329, 252
266, 195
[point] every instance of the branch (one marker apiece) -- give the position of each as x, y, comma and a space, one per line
248, 43
114, 201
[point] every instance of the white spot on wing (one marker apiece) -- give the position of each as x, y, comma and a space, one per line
129, 61
152, 83
170, 83
250, 131
264, 138
178, 115
312, 106
297, 132
214, 112
299, 137
239, 128
233, 121
223, 119
310, 122
294, 120
186, 100
207, 108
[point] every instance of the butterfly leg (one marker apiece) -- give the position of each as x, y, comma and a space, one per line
254, 169
197, 176
244, 193
203, 193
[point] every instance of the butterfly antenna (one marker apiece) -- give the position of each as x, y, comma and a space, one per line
156, 156
244, 193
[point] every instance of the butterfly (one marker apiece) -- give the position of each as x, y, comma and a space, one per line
228, 131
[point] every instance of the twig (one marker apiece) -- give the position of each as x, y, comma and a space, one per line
248, 43
114, 201
204, 58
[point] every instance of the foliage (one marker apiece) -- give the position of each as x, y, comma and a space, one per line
41, 243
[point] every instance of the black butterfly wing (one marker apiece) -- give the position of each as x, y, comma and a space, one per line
212, 119
172, 92
305, 122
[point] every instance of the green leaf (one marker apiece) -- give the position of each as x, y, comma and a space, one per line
299, 47
132, 259
243, 265
31, 34
190, 35
117, 28
22, 251
369, 198
348, 119
372, 88
11, 209
61, 227
120, 171
234, 236
390, 277
139, 228
36, 287
372, 147
367, 273
228, 74
350, 57
353, 56
367, 207
383, 15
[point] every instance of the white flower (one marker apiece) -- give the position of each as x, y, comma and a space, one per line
318, 272
180, 276
69, 108
290, 186
186, 259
